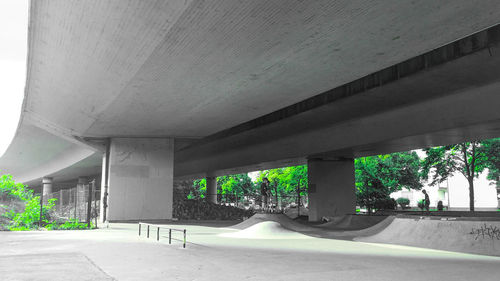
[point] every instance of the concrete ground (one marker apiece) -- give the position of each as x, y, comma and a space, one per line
219, 253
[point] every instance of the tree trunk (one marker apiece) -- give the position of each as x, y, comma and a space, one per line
498, 192
276, 196
471, 193
469, 171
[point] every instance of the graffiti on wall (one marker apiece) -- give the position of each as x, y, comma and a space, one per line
486, 231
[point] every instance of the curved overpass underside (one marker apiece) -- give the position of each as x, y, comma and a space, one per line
230, 86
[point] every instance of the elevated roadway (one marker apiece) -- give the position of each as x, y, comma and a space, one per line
190, 89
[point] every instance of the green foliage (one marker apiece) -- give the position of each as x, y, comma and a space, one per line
467, 158
69, 225
491, 150
286, 180
228, 187
198, 189
12, 190
440, 206
232, 186
378, 176
197, 209
403, 202
385, 204
421, 204
30, 218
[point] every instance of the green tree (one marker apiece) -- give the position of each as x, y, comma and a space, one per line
234, 187
230, 188
467, 158
198, 190
284, 182
491, 151
378, 176
10, 189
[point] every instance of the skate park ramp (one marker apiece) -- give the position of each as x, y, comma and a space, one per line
352, 222
266, 230
468, 235
279, 218
313, 230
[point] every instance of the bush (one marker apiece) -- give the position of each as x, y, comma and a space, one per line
68, 225
30, 218
9, 189
421, 204
403, 202
199, 209
22, 211
385, 204
440, 205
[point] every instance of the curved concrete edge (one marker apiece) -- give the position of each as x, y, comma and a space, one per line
314, 231
279, 218
352, 222
69, 157
468, 236
266, 230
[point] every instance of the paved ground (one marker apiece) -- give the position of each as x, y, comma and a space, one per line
118, 253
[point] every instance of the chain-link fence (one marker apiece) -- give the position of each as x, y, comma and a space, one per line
275, 203
80, 203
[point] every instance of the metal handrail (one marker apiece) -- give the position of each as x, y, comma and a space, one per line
164, 227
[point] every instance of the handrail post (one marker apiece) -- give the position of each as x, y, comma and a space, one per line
148, 230
158, 233
169, 236
184, 246
139, 229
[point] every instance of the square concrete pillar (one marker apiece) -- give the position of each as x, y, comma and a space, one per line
47, 186
331, 188
211, 189
140, 179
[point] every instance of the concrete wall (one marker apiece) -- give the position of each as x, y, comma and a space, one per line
140, 179
331, 188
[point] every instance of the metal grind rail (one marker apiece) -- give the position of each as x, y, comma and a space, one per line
158, 227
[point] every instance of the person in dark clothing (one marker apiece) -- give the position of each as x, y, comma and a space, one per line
427, 201
264, 191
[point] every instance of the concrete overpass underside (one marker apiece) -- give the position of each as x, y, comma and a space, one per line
148, 92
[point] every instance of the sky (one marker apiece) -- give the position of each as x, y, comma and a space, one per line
13, 52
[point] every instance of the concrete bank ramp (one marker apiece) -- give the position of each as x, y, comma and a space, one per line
315, 231
279, 218
352, 222
451, 234
266, 230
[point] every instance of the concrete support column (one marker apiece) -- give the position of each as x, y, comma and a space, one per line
46, 186
140, 179
212, 189
104, 184
331, 188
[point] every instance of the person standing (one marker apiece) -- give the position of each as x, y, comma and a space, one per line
427, 201
264, 191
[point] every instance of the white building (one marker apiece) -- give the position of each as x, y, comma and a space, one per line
455, 193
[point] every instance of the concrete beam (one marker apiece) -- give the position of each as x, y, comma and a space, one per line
449, 94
